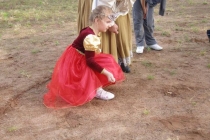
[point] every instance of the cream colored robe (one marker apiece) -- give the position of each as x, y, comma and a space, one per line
119, 45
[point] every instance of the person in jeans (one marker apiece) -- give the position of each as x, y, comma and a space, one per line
143, 22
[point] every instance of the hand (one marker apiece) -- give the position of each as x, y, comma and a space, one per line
145, 13
109, 75
114, 29
144, 16
144, 8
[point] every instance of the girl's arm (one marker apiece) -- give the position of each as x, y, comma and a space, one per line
89, 55
95, 66
109, 75
91, 43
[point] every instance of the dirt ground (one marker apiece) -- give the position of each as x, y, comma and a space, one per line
165, 97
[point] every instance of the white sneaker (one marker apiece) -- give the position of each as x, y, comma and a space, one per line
155, 47
140, 49
104, 95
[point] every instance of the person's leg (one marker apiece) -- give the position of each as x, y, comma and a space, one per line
84, 10
108, 44
148, 29
124, 42
138, 26
208, 34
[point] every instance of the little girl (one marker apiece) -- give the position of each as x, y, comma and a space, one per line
81, 72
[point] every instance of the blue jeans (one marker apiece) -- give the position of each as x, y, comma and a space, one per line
143, 28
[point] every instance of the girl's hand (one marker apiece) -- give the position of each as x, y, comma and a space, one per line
109, 75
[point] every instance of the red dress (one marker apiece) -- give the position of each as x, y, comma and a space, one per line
76, 76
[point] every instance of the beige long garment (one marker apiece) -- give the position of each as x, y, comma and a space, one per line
84, 10
119, 45
124, 39
109, 44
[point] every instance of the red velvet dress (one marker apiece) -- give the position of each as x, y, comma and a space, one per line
77, 75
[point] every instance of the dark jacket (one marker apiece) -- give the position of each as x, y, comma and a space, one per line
153, 3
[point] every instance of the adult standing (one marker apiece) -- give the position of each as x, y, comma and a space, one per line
119, 45
143, 17
84, 10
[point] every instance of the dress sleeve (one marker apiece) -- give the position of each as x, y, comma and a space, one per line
91, 44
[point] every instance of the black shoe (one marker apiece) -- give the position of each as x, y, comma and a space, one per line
124, 68
208, 34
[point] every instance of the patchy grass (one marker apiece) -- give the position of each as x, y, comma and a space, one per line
194, 103
57, 43
205, 3
186, 38
146, 63
204, 21
146, 112
166, 33
16, 13
195, 30
12, 129
172, 72
150, 77
203, 52
35, 51
25, 74
170, 9
190, 1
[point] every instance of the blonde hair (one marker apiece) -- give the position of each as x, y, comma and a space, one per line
100, 12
